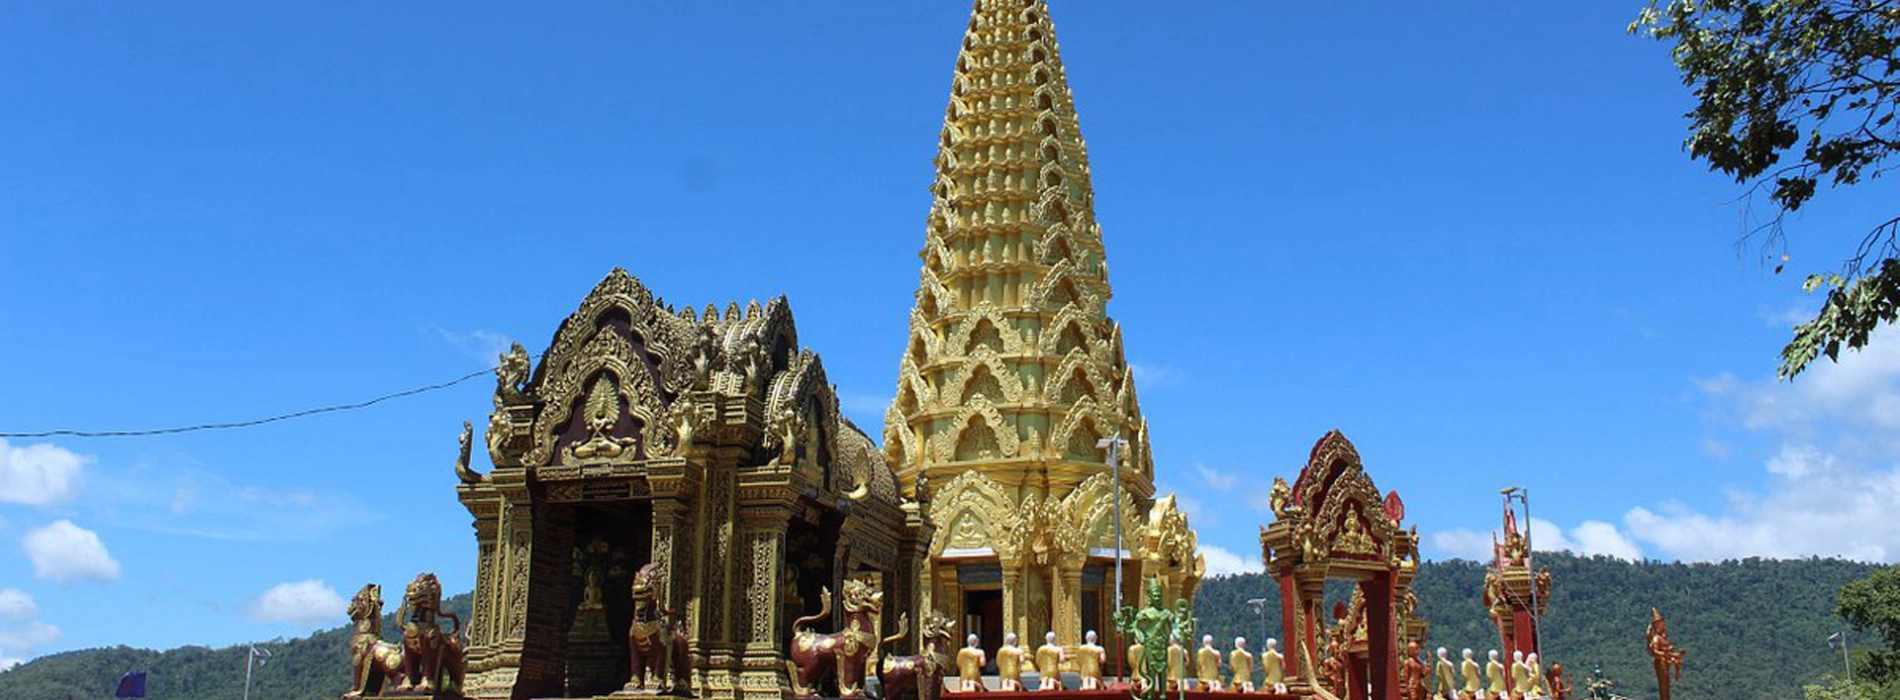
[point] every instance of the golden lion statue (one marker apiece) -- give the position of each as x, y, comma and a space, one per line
432, 661
816, 657
656, 647
378, 664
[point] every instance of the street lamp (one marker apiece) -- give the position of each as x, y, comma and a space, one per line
1260, 606
256, 657
1841, 637
1523, 495
1114, 445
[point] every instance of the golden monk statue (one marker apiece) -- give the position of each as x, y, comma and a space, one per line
1177, 664
1663, 653
1009, 664
1520, 675
1273, 668
1444, 677
1242, 663
1539, 688
1494, 677
1049, 658
1472, 673
1207, 664
970, 661
1088, 662
1134, 665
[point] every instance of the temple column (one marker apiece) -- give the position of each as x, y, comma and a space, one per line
950, 603
506, 629
481, 623
1015, 604
762, 544
1068, 602
672, 551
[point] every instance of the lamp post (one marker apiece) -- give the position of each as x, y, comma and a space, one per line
1114, 445
1846, 662
256, 657
1523, 495
1260, 607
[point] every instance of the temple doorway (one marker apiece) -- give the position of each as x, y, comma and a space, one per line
811, 554
612, 540
983, 617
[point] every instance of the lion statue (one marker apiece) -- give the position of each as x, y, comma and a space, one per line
656, 647
377, 664
924, 671
432, 661
816, 657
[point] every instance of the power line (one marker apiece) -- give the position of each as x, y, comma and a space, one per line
248, 423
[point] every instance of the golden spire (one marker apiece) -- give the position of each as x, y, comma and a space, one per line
1013, 367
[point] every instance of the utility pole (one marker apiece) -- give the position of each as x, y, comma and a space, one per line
1114, 445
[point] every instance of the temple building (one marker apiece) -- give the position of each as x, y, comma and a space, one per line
707, 444
1014, 372
699, 458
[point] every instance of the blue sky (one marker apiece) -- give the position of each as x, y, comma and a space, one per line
1465, 235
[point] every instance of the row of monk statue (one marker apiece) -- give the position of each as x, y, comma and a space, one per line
1527, 679
1012, 661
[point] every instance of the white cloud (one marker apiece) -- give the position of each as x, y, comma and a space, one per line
1462, 543
1815, 504
1216, 479
298, 603
485, 347
65, 552
1591, 538
17, 606
1154, 376
24, 637
20, 630
1197, 514
1831, 462
1595, 537
40, 474
194, 501
1221, 562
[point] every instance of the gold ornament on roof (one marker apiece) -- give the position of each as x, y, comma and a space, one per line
602, 415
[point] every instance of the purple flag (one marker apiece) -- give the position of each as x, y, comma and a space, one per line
131, 685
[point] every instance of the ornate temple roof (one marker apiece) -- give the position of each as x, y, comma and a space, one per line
1013, 365
656, 358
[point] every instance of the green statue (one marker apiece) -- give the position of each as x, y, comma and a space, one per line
1152, 628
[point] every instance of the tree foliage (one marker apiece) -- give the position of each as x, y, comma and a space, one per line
316, 667
1792, 94
1753, 628
1872, 605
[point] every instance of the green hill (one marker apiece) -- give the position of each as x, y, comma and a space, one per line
1753, 629
308, 668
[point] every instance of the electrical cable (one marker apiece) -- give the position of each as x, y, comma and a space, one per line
247, 423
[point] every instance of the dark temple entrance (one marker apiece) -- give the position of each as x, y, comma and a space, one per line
983, 617
612, 540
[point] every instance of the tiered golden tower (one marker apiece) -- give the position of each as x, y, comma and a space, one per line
1014, 371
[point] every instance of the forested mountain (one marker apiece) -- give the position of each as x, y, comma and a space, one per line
1752, 628
307, 668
